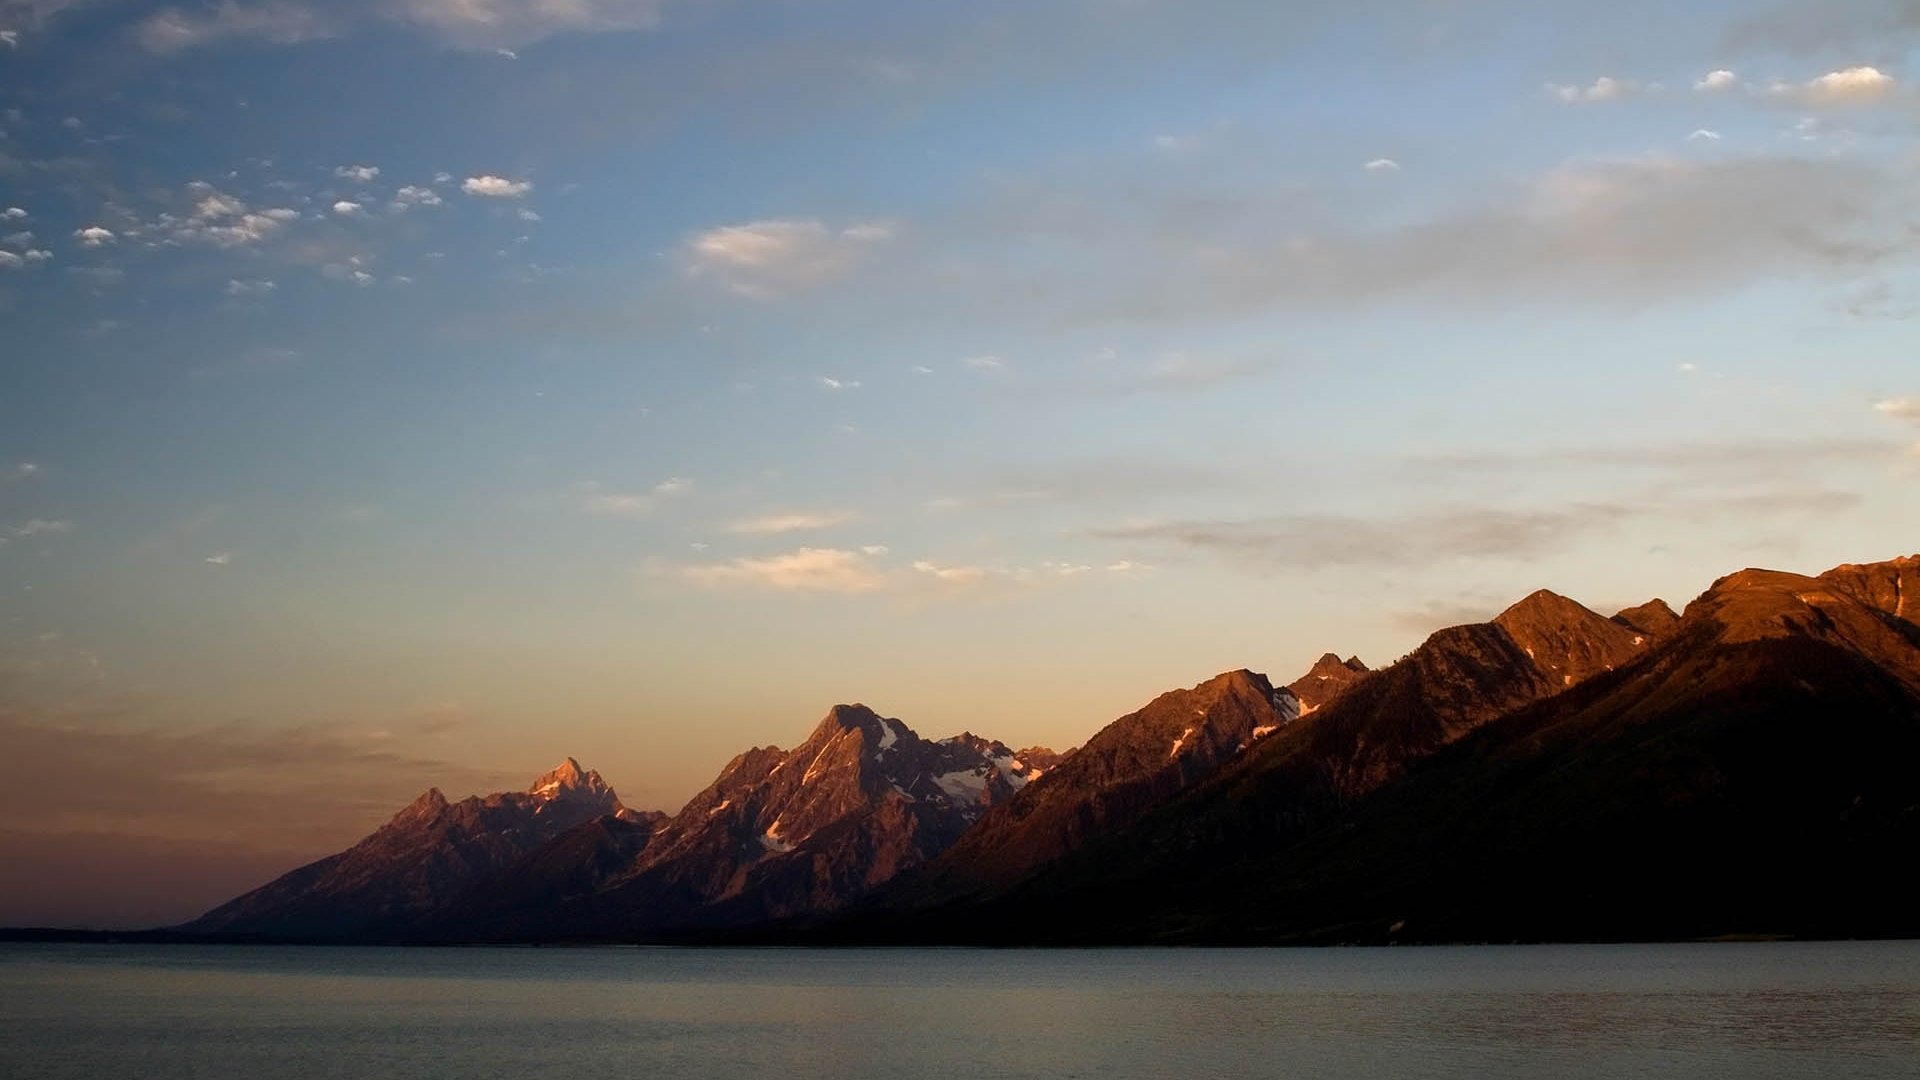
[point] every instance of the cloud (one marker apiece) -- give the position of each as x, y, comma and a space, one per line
364, 174
627, 504
830, 383
1604, 88
1382, 165
1899, 408
952, 575
1703, 135
249, 287
43, 527
464, 24
775, 257
346, 208
619, 504
14, 213
280, 22
10, 261
1715, 82
775, 524
94, 236
219, 558
804, 570
1435, 536
1644, 230
411, 195
495, 187
984, 363
1854, 86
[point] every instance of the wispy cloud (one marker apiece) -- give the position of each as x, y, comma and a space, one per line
830, 570
774, 524
1605, 88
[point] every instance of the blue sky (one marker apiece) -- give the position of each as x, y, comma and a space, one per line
409, 392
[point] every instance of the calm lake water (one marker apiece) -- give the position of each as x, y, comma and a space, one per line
1693, 1011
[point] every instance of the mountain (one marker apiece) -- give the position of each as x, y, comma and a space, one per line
779, 833
428, 855
1130, 767
1746, 772
1329, 677
1653, 619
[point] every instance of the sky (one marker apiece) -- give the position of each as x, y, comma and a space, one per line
410, 393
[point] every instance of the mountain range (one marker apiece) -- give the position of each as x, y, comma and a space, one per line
1740, 768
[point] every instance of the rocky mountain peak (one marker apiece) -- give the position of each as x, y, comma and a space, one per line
1566, 641
1653, 619
1327, 679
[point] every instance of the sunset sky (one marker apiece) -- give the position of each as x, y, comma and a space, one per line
399, 393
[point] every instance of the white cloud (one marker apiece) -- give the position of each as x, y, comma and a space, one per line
773, 524
220, 558
94, 236
346, 208
1703, 135
983, 363
10, 38
952, 575
495, 187
13, 213
249, 287
43, 527
777, 256
23, 238
803, 570
1382, 165
364, 174
25, 470
10, 261
675, 485
1604, 88
411, 195
37, 255
1900, 408
1850, 86
874, 549
526, 214
830, 383
1861, 85
1714, 82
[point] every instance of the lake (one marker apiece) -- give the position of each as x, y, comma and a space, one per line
102, 1012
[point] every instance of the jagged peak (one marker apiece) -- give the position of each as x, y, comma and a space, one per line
881, 731
425, 806
570, 780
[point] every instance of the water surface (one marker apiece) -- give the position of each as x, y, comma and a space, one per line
1565, 1012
